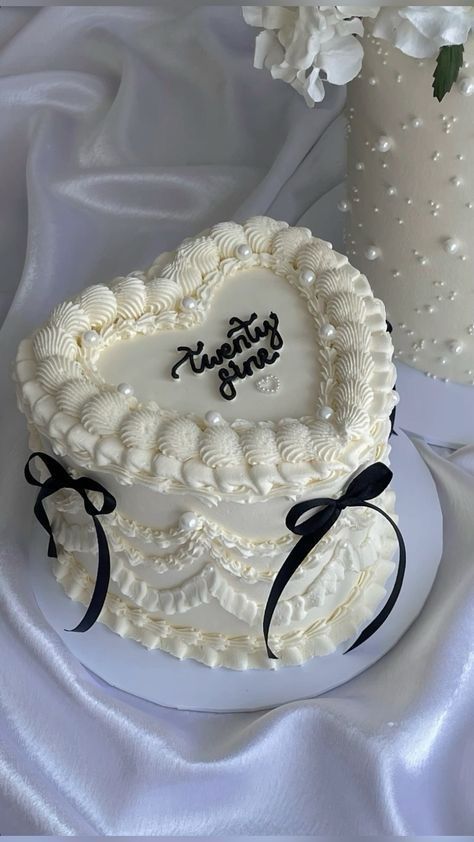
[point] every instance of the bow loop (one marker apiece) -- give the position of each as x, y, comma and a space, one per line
325, 507
370, 483
86, 484
56, 472
59, 479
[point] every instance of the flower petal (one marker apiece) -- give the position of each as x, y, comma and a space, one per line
341, 59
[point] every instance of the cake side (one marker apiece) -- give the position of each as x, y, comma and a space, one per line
201, 592
197, 589
411, 200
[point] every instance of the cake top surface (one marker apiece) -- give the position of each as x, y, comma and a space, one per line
251, 362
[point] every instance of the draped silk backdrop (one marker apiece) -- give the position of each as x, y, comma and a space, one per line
123, 130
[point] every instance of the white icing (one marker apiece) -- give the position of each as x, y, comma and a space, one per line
54, 341
71, 317
131, 298
74, 394
54, 372
99, 303
220, 447
140, 429
104, 413
423, 189
228, 236
260, 231
180, 439
161, 294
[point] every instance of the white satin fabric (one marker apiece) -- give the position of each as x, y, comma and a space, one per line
123, 130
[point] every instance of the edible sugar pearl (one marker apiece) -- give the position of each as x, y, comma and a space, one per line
456, 181
360, 166
243, 251
325, 413
188, 521
90, 337
126, 389
451, 245
344, 206
307, 276
416, 122
327, 331
391, 191
188, 303
268, 385
372, 253
213, 418
465, 85
455, 346
384, 143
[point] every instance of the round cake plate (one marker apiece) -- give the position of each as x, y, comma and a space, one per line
440, 413
188, 685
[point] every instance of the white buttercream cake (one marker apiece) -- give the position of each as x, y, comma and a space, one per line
247, 370
411, 202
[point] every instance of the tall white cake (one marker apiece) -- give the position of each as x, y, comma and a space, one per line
410, 226
129, 384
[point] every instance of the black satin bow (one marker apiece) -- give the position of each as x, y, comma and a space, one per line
367, 485
57, 480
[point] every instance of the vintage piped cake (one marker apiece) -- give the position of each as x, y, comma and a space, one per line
246, 371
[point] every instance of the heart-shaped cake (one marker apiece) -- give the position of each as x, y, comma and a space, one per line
246, 371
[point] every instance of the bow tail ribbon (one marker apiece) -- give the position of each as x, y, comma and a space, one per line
289, 568
389, 605
58, 480
102, 581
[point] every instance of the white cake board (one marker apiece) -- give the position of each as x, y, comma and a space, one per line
159, 677
440, 413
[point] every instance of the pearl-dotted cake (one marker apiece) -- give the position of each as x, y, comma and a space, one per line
411, 204
135, 384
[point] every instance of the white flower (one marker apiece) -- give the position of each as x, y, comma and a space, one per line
303, 45
306, 45
420, 31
